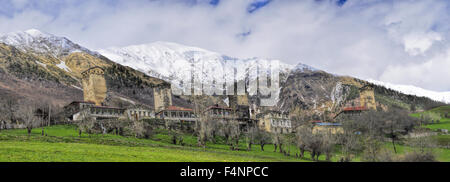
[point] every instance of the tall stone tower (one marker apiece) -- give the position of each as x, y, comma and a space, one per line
94, 85
367, 97
162, 97
238, 100
240, 104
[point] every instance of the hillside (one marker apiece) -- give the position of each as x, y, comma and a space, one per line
46, 68
302, 87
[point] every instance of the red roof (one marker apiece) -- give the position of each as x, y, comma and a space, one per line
361, 108
176, 108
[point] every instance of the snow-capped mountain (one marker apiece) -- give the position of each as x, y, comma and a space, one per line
417, 91
168, 61
42, 43
171, 61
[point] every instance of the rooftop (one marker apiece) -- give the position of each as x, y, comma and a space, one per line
329, 124
218, 107
176, 108
86, 102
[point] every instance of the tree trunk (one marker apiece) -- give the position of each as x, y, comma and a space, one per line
42, 133
79, 133
281, 148
302, 153
393, 144
29, 131
289, 151
275, 148
262, 147
313, 155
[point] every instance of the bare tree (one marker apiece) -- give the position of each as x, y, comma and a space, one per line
138, 129
396, 123
11, 107
262, 138
303, 135
201, 126
422, 149
212, 128
202, 131
235, 133
277, 142
315, 144
371, 128
27, 115
328, 144
86, 124
349, 140
3, 116
250, 136
8, 108
303, 130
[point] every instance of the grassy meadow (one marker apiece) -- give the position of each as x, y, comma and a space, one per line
62, 144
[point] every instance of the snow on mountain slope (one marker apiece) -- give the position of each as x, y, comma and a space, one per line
42, 43
171, 61
413, 90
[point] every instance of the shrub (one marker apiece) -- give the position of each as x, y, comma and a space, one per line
419, 157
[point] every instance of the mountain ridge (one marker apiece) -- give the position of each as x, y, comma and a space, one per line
131, 71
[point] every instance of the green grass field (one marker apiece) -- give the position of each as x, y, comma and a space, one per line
444, 123
62, 143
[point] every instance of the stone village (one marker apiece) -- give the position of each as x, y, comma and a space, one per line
238, 109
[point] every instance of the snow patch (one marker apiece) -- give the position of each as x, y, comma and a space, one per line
417, 91
127, 100
63, 66
77, 87
42, 64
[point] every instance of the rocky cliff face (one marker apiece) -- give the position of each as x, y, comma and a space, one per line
324, 94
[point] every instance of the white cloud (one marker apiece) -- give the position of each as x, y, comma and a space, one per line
432, 73
418, 43
367, 39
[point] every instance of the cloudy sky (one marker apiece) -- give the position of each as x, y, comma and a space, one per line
402, 42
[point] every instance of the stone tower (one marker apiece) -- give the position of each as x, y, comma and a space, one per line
94, 85
367, 97
238, 100
162, 97
240, 104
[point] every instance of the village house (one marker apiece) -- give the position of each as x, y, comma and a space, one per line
138, 113
322, 126
177, 113
75, 107
177, 118
275, 121
219, 112
99, 113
